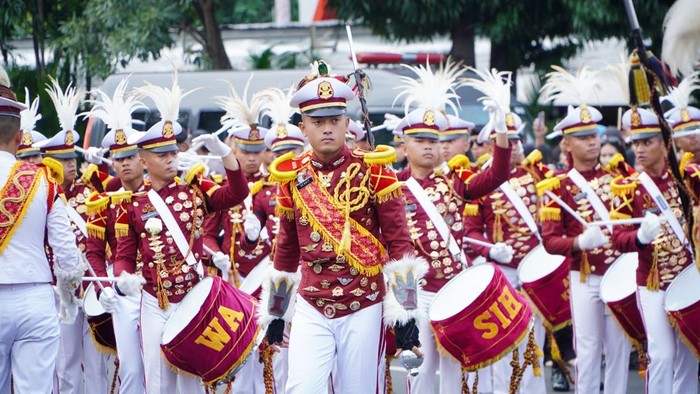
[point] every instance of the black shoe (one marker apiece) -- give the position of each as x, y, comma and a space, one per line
559, 382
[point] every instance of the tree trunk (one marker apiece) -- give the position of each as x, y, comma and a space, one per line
214, 44
502, 59
38, 36
462, 36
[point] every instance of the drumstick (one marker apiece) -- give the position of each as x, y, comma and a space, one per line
92, 271
567, 208
621, 221
83, 151
205, 157
223, 128
477, 242
224, 274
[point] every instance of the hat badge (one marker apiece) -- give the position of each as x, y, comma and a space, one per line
281, 131
510, 120
27, 139
429, 118
685, 116
635, 119
120, 137
324, 90
168, 131
69, 138
253, 134
585, 114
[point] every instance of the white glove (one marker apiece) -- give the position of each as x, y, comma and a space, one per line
497, 116
213, 144
221, 261
130, 284
68, 305
108, 299
252, 226
187, 159
501, 253
592, 238
649, 229
94, 154
391, 121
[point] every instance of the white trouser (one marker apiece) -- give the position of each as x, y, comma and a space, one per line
126, 331
502, 370
595, 333
79, 364
356, 341
672, 366
250, 378
450, 369
29, 338
160, 378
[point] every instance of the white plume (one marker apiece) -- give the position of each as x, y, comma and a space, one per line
620, 72
167, 101
115, 111
31, 115
435, 90
582, 88
681, 95
681, 41
494, 85
239, 111
66, 103
275, 104
4, 78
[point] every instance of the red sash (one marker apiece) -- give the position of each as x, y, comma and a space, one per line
15, 197
366, 253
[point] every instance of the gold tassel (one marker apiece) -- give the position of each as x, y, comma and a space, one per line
653, 277
344, 245
115, 376
643, 361
268, 373
475, 387
96, 231
640, 87
550, 214
585, 267
532, 355
497, 229
232, 259
515, 364
121, 230
465, 385
163, 301
387, 376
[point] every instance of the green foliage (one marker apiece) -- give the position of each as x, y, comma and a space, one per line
268, 59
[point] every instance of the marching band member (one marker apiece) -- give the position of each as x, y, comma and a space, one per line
164, 226
455, 140
79, 362
103, 209
334, 206
29, 116
685, 119
29, 333
435, 202
586, 189
508, 215
662, 247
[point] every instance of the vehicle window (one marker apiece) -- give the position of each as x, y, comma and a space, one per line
210, 120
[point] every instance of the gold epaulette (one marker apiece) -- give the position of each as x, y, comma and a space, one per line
96, 203
218, 178
533, 158
685, 160
549, 184
196, 170
481, 160
533, 164
256, 187
120, 196
382, 155
623, 186
284, 168
459, 161
55, 168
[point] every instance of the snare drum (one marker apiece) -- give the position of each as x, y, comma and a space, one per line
478, 317
212, 332
253, 281
618, 289
544, 279
682, 304
100, 322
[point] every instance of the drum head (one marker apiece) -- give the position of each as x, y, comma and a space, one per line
620, 280
460, 291
254, 280
684, 290
538, 264
187, 310
91, 305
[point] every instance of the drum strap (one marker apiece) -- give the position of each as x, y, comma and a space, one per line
519, 206
77, 219
175, 231
591, 196
437, 219
660, 202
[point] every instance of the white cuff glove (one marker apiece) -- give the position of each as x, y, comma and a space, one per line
252, 226
501, 253
221, 261
213, 144
94, 154
187, 159
592, 238
497, 116
649, 229
130, 284
68, 305
108, 299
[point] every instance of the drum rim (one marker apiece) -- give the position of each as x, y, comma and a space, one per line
524, 259
170, 323
454, 280
90, 299
672, 290
607, 277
